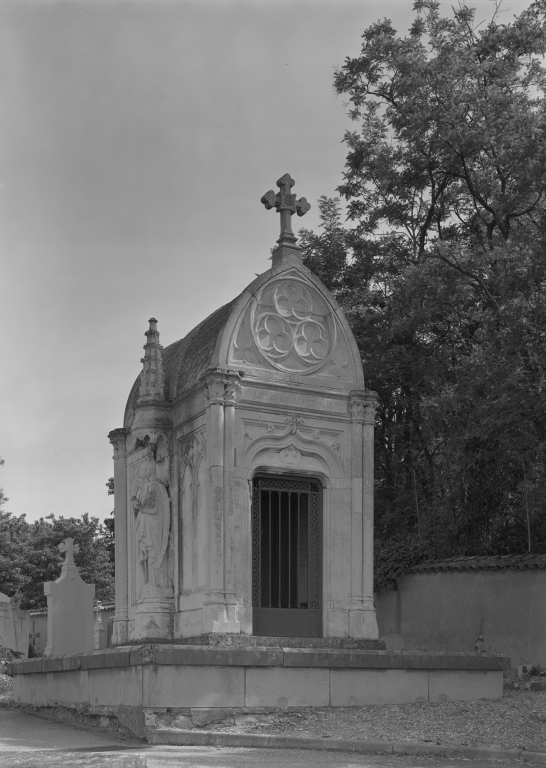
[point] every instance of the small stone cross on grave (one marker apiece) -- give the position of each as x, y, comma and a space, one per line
286, 204
70, 549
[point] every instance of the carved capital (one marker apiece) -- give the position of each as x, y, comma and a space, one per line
117, 438
356, 409
371, 402
221, 386
215, 387
232, 390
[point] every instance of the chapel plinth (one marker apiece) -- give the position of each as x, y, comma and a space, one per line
244, 468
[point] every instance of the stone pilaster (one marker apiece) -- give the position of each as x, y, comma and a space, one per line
221, 603
230, 399
120, 633
356, 614
215, 602
370, 621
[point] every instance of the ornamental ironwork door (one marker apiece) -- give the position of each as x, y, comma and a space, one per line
286, 547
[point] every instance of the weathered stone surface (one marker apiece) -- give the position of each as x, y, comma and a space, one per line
109, 657
193, 686
358, 688
204, 655
303, 657
60, 663
284, 688
218, 656
205, 716
256, 641
458, 685
25, 666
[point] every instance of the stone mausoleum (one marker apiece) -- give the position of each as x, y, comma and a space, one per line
244, 529
244, 469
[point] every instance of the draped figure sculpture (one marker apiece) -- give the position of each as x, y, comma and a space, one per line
151, 504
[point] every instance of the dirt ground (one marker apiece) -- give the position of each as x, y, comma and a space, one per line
517, 721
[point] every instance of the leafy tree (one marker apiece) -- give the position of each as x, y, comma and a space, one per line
44, 560
29, 555
109, 526
441, 274
14, 533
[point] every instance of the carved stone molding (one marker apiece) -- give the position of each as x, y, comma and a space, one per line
356, 408
117, 438
144, 437
221, 387
290, 456
371, 404
294, 424
191, 451
288, 329
231, 391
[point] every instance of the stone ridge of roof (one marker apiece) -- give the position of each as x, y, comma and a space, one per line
193, 355
482, 563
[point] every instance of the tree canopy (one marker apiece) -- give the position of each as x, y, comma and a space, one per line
29, 555
440, 269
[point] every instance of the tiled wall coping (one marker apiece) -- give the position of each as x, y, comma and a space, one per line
162, 654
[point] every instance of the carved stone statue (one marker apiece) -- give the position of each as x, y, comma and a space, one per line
151, 504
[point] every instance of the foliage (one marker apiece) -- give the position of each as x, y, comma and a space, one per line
29, 555
109, 527
44, 560
441, 274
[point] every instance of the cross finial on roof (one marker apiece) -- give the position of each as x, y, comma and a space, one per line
70, 549
286, 204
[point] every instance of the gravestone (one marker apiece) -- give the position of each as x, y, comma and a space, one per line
14, 626
244, 468
69, 608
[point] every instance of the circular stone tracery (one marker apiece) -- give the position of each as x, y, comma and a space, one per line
287, 334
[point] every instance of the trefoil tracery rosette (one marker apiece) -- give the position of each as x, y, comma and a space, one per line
286, 330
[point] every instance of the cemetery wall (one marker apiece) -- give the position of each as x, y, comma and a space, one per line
448, 611
14, 626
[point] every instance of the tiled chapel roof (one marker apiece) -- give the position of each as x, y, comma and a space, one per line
185, 360
483, 562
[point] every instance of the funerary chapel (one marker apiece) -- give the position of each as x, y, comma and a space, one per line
244, 468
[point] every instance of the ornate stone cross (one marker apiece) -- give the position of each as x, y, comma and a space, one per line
286, 204
70, 549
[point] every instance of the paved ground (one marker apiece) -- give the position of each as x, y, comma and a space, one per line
31, 742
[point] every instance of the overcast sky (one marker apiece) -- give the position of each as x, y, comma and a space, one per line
137, 138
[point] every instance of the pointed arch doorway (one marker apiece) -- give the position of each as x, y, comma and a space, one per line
286, 556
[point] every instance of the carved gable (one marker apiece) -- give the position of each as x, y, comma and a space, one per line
293, 326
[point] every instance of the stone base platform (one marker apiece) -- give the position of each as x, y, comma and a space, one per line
161, 686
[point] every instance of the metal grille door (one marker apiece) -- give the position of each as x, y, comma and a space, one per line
286, 557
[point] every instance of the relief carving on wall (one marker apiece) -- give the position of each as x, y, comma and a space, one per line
192, 455
291, 327
289, 333
151, 505
292, 425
